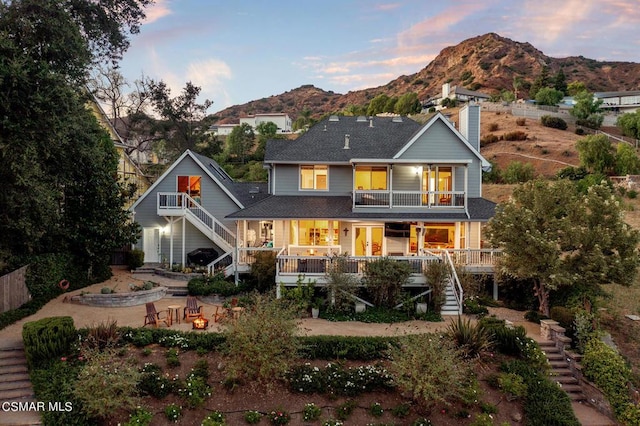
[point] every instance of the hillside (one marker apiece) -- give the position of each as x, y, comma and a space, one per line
487, 63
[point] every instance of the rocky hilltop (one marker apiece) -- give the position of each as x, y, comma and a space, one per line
487, 63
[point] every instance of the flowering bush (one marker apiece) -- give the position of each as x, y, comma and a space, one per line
214, 419
195, 390
376, 409
139, 416
174, 340
335, 379
173, 412
279, 417
252, 417
332, 422
311, 412
153, 383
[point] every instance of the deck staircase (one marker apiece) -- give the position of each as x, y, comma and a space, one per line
451, 306
453, 290
560, 371
15, 385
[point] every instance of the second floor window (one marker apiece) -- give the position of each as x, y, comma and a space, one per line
190, 185
314, 177
371, 177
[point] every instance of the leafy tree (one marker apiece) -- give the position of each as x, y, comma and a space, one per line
408, 104
596, 154
353, 110
587, 110
390, 106
384, 279
507, 96
629, 124
240, 141
266, 130
560, 82
517, 85
548, 96
185, 120
377, 104
627, 161
576, 87
57, 165
543, 80
558, 237
517, 172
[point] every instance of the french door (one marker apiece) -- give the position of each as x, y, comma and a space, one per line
368, 240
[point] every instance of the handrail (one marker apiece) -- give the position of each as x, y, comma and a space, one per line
458, 292
208, 219
211, 266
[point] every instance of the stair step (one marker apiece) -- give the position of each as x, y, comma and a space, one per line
558, 363
16, 394
554, 356
576, 396
562, 371
569, 388
568, 380
9, 353
21, 383
13, 368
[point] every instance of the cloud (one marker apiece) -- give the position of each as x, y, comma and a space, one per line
157, 11
387, 6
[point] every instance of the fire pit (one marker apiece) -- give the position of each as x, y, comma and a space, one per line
200, 323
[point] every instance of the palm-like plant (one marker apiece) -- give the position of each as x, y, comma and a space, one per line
471, 339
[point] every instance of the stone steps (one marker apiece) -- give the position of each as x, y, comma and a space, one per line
561, 373
15, 385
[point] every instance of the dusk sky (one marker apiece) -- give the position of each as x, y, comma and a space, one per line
242, 50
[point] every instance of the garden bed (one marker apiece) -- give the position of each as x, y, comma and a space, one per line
117, 300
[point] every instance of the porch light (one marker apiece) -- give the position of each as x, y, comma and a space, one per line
418, 170
200, 323
346, 231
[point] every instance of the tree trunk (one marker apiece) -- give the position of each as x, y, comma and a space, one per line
542, 293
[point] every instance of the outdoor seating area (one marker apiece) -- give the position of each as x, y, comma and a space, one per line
174, 315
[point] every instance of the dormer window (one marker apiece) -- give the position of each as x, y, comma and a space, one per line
314, 177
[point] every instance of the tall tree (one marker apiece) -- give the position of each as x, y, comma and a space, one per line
596, 154
186, 121
241, 141
548, 96
629, 124
560, 82
557, 237
408, 104
57, 170
587, 110
377, 104
542, 80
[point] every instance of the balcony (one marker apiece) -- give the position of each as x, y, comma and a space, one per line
421, 199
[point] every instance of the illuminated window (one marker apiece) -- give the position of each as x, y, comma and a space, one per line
313, 177
314, 232
371, 177
190, 185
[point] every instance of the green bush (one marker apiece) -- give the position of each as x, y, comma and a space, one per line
436, 274
135, 259
384, 279
344, 347
605, 367
470, 339
442, 371
47, 339
517, 172
217, 284
553, 122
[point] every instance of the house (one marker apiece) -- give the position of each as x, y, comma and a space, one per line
457, 93
364, 187
223, 129
184, 211
619, 102
128, 171
283, 121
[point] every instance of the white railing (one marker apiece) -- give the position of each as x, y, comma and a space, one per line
220, 263
429, 199
319, 265
458, 292
471, 257
178, 203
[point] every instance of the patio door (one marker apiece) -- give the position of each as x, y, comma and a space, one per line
368, 240
151, 245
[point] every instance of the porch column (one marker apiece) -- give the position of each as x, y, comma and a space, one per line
466, 188
184, 255
170, 242
390, 185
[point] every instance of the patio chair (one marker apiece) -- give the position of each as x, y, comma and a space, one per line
220, 314
192, 310
154, 317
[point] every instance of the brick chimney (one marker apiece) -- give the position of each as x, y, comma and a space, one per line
470, 124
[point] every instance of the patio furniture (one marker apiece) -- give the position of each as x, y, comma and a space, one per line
220, 313
154, 317
174, 313
192, 310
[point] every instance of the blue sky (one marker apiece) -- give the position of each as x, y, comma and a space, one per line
242, 50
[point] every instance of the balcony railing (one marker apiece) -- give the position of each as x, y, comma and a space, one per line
390, 199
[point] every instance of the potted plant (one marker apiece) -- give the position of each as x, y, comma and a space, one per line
421, 306
360, 307
315, 307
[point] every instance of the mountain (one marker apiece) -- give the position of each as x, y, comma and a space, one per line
487, 63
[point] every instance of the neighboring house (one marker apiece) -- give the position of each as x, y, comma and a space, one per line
185, 209
358, 186
622, 102
456, 93
128, 171
223, 129
283, 121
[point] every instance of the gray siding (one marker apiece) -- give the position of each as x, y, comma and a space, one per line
405, 178
287, 181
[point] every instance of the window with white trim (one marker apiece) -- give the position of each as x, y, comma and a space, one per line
314, 177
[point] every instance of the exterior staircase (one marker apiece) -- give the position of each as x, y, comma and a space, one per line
450, 306
15, 385
560, 371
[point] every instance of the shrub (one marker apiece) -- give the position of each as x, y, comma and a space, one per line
107, 383
489, 139
553, 122
516, 135
139, 417
436, 274
102, 336
605, 367
472, 306
470, 339
263, 271
47, 339
260, 342
384, 279
579, 131
442, 371
344, 347
279, 417
521, 121
311, 412
512, 384
214, 419
172, 358
135, 259
344, 410
153, 383
517, 172
376, 409
195, 391
493, 127
335, 379
252, 417
340, 283
173, 412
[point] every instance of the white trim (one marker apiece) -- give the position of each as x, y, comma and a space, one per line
314, 189
362, 161
439, 116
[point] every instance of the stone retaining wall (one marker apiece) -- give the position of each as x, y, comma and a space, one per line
117, 300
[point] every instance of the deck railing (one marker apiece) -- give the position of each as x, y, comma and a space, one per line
424, 199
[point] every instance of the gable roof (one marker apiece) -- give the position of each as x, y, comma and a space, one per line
241, 193
375, 137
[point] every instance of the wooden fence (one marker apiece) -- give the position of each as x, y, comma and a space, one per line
13, 290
